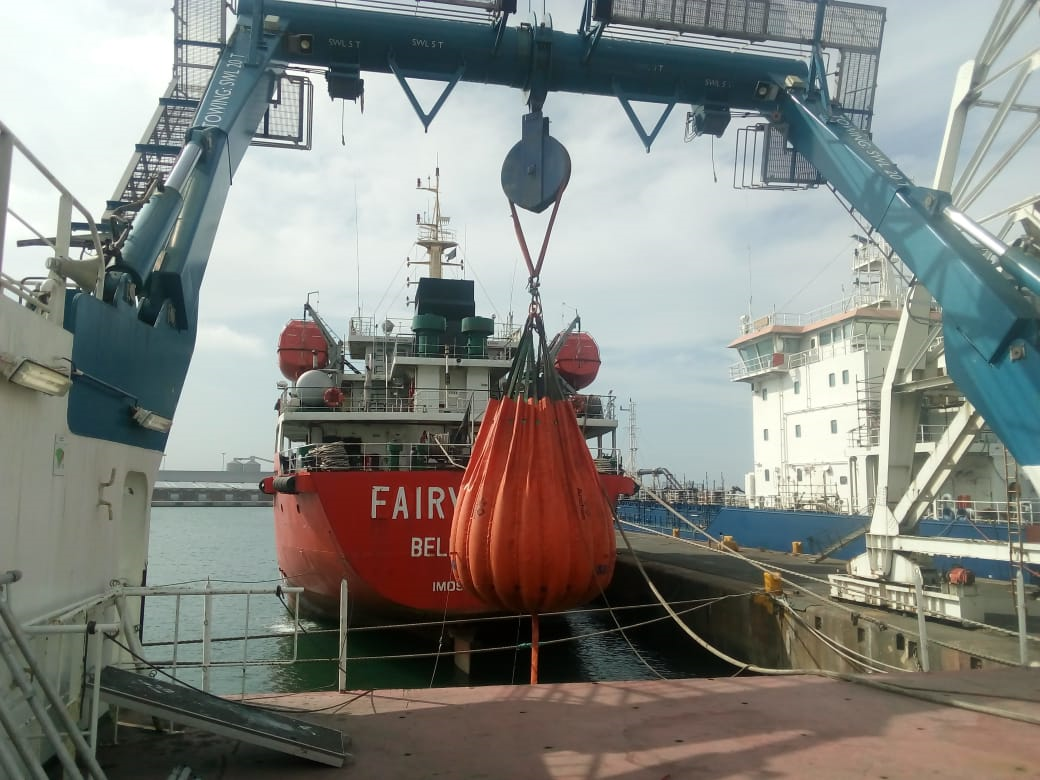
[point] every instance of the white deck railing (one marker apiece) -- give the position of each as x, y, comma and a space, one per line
404, 456
66, 649
43, 292
423, 400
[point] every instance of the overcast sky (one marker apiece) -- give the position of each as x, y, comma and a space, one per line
658, 253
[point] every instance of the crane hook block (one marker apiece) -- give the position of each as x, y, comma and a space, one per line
536, 170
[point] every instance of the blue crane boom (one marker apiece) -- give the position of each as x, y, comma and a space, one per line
530, 56
990, 325
142, 331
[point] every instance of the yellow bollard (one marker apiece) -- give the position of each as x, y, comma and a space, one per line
796, 548
772, 582
675, 533
730, 543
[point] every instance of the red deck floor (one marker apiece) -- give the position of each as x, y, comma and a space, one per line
778, 727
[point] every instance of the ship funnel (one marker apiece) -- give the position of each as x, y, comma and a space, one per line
84, 273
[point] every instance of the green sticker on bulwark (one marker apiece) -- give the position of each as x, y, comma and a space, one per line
58, 464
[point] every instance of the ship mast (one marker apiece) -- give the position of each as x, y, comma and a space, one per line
434, 235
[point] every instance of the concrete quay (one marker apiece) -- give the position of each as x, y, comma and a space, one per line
804, 628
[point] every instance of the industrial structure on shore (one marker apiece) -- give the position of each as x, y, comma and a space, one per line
238, 484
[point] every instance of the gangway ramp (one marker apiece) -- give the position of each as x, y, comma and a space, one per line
204, 711
845, 540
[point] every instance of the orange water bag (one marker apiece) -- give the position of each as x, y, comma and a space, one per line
533, 529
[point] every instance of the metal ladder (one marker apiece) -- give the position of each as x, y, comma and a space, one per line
1013, 495
200, 33
17, 756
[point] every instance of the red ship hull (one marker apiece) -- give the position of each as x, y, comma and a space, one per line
387, 534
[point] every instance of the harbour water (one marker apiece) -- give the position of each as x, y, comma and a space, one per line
233, 547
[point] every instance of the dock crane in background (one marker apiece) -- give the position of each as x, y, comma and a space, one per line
813, 128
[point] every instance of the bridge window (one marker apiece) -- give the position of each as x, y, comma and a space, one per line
798, 475
830, 380
765, 434
825, 338
797, 387
845, 377
843, 480
834, 426
798, 431
765, 475
755, 351
765, 393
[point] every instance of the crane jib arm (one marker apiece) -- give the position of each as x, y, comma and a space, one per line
348, 40
145, 326
989, 326
169, 245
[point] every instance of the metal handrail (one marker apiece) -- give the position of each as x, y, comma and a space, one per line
45, 719
403, 456
791, 319
789, 360
25, 295
206, 641
425, 400
68, 200
477, 12
375, 327
78, 620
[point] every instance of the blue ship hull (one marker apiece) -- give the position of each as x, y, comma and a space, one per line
776, 529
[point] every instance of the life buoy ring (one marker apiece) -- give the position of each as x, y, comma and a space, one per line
333, 397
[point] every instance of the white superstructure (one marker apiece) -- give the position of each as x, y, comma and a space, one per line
816, 382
